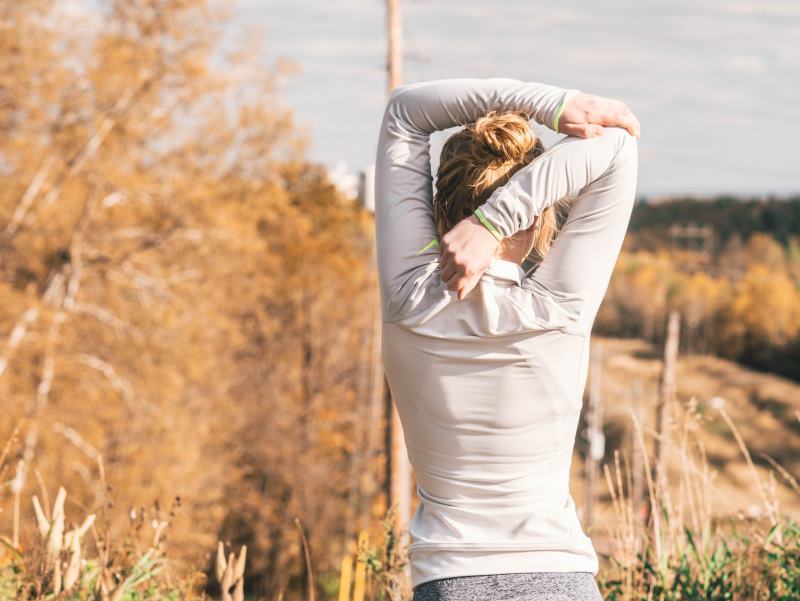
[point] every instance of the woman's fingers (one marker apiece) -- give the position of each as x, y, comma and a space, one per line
454, 280
457, 281
589, 130
617, 113
449, 271
587, 109
627, 120
581, 130
466, 251
468, 285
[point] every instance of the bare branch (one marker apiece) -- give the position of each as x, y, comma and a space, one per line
17, 335
101, 314
79, 442
73, 165
27, 200
118, 383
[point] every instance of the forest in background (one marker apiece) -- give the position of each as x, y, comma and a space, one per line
188, 302
730, 266
728, 216
183, 293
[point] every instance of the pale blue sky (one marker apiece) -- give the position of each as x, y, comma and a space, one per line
715, 84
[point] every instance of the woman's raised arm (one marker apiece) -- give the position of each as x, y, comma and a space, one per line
600, 173
403, 182
580, 262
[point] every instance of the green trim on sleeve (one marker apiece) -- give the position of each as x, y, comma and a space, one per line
430, 244
482, 218
559, 111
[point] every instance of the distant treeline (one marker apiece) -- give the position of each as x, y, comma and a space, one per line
730, 267
727, 215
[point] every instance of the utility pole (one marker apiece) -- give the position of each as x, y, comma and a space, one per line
400, 471
638, 481
666, 393
395, 57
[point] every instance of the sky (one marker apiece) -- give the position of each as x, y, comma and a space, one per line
715, 84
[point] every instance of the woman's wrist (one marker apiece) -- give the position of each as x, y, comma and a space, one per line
568, 95
487, 224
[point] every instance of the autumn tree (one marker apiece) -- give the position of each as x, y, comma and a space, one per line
185, 295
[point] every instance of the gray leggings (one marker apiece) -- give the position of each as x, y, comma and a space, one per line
525, 586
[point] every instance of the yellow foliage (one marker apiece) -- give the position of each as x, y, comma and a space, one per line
185, 296
767, 304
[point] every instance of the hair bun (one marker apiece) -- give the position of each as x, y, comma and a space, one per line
502, 137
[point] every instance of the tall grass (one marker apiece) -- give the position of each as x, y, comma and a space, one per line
69, 557
674, 541
678, 544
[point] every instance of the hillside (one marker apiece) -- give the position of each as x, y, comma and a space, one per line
765, 409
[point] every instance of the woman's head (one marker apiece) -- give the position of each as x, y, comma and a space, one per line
480, 158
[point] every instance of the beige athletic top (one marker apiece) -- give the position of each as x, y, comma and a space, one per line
489, 389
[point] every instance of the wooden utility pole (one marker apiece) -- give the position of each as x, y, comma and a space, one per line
395, 56
595, 436
638, 481
400, 471
666, 393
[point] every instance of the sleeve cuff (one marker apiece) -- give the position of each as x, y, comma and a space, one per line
488, 224
494, 218
568, 95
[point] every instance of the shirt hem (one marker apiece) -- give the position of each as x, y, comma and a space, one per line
428, 563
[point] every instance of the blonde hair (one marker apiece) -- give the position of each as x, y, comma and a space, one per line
479, 159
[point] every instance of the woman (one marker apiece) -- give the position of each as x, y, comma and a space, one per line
489, 385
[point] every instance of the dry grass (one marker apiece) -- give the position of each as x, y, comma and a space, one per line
720, 522
69, 556
764, 408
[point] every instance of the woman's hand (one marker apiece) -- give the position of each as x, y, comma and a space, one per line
584, 116
468, 248
466, 251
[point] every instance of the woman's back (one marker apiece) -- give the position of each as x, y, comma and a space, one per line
489, 424
489, 388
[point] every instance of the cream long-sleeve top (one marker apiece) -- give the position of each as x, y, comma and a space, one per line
489, 389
